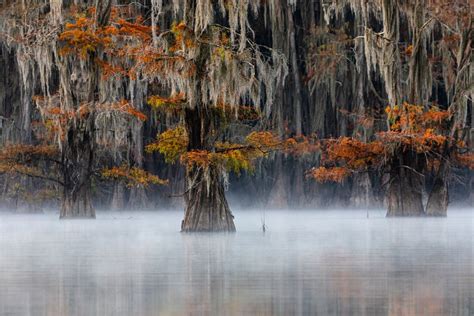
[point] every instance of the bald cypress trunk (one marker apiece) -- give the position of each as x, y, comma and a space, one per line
362, 193
78, 155
439, 198
206, 205
118, 197
207, 209
404, 198
406, 186
77, 202
278, 196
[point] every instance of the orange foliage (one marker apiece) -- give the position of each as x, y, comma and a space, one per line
174, 103
135, 30
333, 174
354, 153
109, 70
80, 37
409, 50
125, 107
465, 160
346, 155
301, 145
183, 37
411, 128
21, 152
410, 118
232, 157
201, 158
264, 141
435, 116
132, 176
83, 36
415, 128
21, 159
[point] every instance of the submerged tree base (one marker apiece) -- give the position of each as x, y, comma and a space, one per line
405, 197
405, 200
438, 200
77, 215
77, 206
207, 209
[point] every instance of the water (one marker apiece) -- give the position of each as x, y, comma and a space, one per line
307, 263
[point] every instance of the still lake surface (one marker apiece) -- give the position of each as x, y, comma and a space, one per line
307, 263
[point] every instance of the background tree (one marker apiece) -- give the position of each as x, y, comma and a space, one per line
424, 133
410, 66
77, 115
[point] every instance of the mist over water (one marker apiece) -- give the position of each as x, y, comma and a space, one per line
308, 262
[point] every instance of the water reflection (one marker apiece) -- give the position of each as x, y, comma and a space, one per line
332, 263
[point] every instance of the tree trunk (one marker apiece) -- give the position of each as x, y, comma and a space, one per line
138, 199
362, 193
77, 158
118, 197
278, 197
77, 203
296, 73
439, 198
298, 199
206, 205
404, 198
405, 188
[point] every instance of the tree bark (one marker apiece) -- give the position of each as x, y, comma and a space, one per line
206, 205
405, 188
438, 199
77, 203
362, 193
278, 197
296, 73
138, 199
118, 197
207, 209
77, 159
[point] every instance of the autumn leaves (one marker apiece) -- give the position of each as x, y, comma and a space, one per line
410, 128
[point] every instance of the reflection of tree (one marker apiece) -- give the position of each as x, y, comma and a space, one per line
416, 300
207, 274
355, 289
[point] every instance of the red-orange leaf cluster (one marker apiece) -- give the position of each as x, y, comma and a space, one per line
132, 176
331, 174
